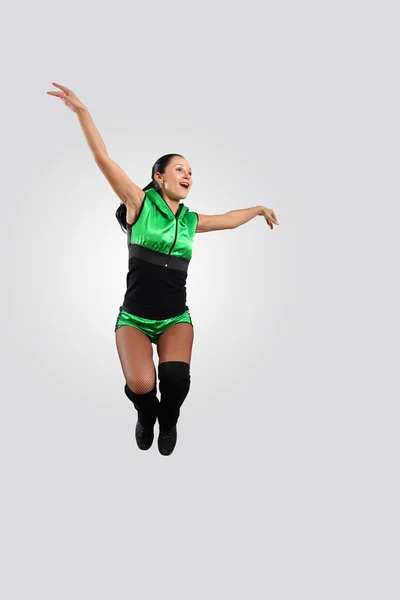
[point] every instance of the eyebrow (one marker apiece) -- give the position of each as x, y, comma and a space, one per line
180, 164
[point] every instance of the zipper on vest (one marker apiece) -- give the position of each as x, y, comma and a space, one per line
176, 235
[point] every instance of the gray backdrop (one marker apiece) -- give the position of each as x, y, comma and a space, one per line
284, 482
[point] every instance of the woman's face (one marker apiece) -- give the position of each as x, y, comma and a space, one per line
176, 181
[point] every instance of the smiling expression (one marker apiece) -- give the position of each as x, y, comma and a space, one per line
176, 181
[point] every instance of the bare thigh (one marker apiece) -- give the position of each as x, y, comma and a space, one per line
135, 353
176, 343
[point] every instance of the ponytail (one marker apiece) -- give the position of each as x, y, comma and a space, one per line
153, 185
120, 214
121, 211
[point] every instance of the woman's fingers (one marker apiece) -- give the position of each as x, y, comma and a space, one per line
58, 95
68, 97
63, 88
273, 219
270, 216
269, 222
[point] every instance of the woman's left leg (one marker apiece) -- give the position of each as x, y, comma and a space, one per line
174, 348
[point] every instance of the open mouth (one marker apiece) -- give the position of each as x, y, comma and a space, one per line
184, 185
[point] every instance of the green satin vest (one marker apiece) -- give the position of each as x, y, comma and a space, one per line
157, 228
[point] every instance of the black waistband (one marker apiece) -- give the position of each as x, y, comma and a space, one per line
158, 258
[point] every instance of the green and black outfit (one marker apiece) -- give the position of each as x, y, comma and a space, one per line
160, 249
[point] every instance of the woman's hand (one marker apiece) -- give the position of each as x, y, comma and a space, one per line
269, 215
68, 97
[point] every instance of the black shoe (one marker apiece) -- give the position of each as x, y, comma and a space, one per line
167, 441
144, 436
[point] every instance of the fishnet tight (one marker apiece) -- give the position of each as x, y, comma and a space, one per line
135, 352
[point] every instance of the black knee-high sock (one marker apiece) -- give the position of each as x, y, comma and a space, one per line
174, 379
147, 405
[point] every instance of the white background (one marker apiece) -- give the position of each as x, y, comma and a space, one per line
284, 482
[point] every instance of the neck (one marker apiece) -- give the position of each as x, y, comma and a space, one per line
173, 203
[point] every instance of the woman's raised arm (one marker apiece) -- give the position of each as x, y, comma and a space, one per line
128, 192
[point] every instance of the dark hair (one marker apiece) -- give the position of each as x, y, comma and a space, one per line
159, 167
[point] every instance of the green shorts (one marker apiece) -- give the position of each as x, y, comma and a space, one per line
153, 329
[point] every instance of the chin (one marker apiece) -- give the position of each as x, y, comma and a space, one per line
183, 194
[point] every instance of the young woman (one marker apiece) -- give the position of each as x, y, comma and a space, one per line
160, 233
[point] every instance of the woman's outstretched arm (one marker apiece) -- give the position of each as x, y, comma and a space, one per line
92, 134
234, 218
126, 190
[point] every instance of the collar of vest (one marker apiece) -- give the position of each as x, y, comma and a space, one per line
159, 201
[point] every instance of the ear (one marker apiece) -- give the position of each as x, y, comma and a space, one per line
158, 177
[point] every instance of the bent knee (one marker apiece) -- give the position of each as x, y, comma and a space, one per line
141, 384
174, 373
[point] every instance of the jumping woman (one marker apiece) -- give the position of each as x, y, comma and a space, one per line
160, 231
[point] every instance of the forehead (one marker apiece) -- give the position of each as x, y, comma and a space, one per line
179, 161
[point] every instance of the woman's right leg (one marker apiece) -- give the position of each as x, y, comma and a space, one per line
135, 352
